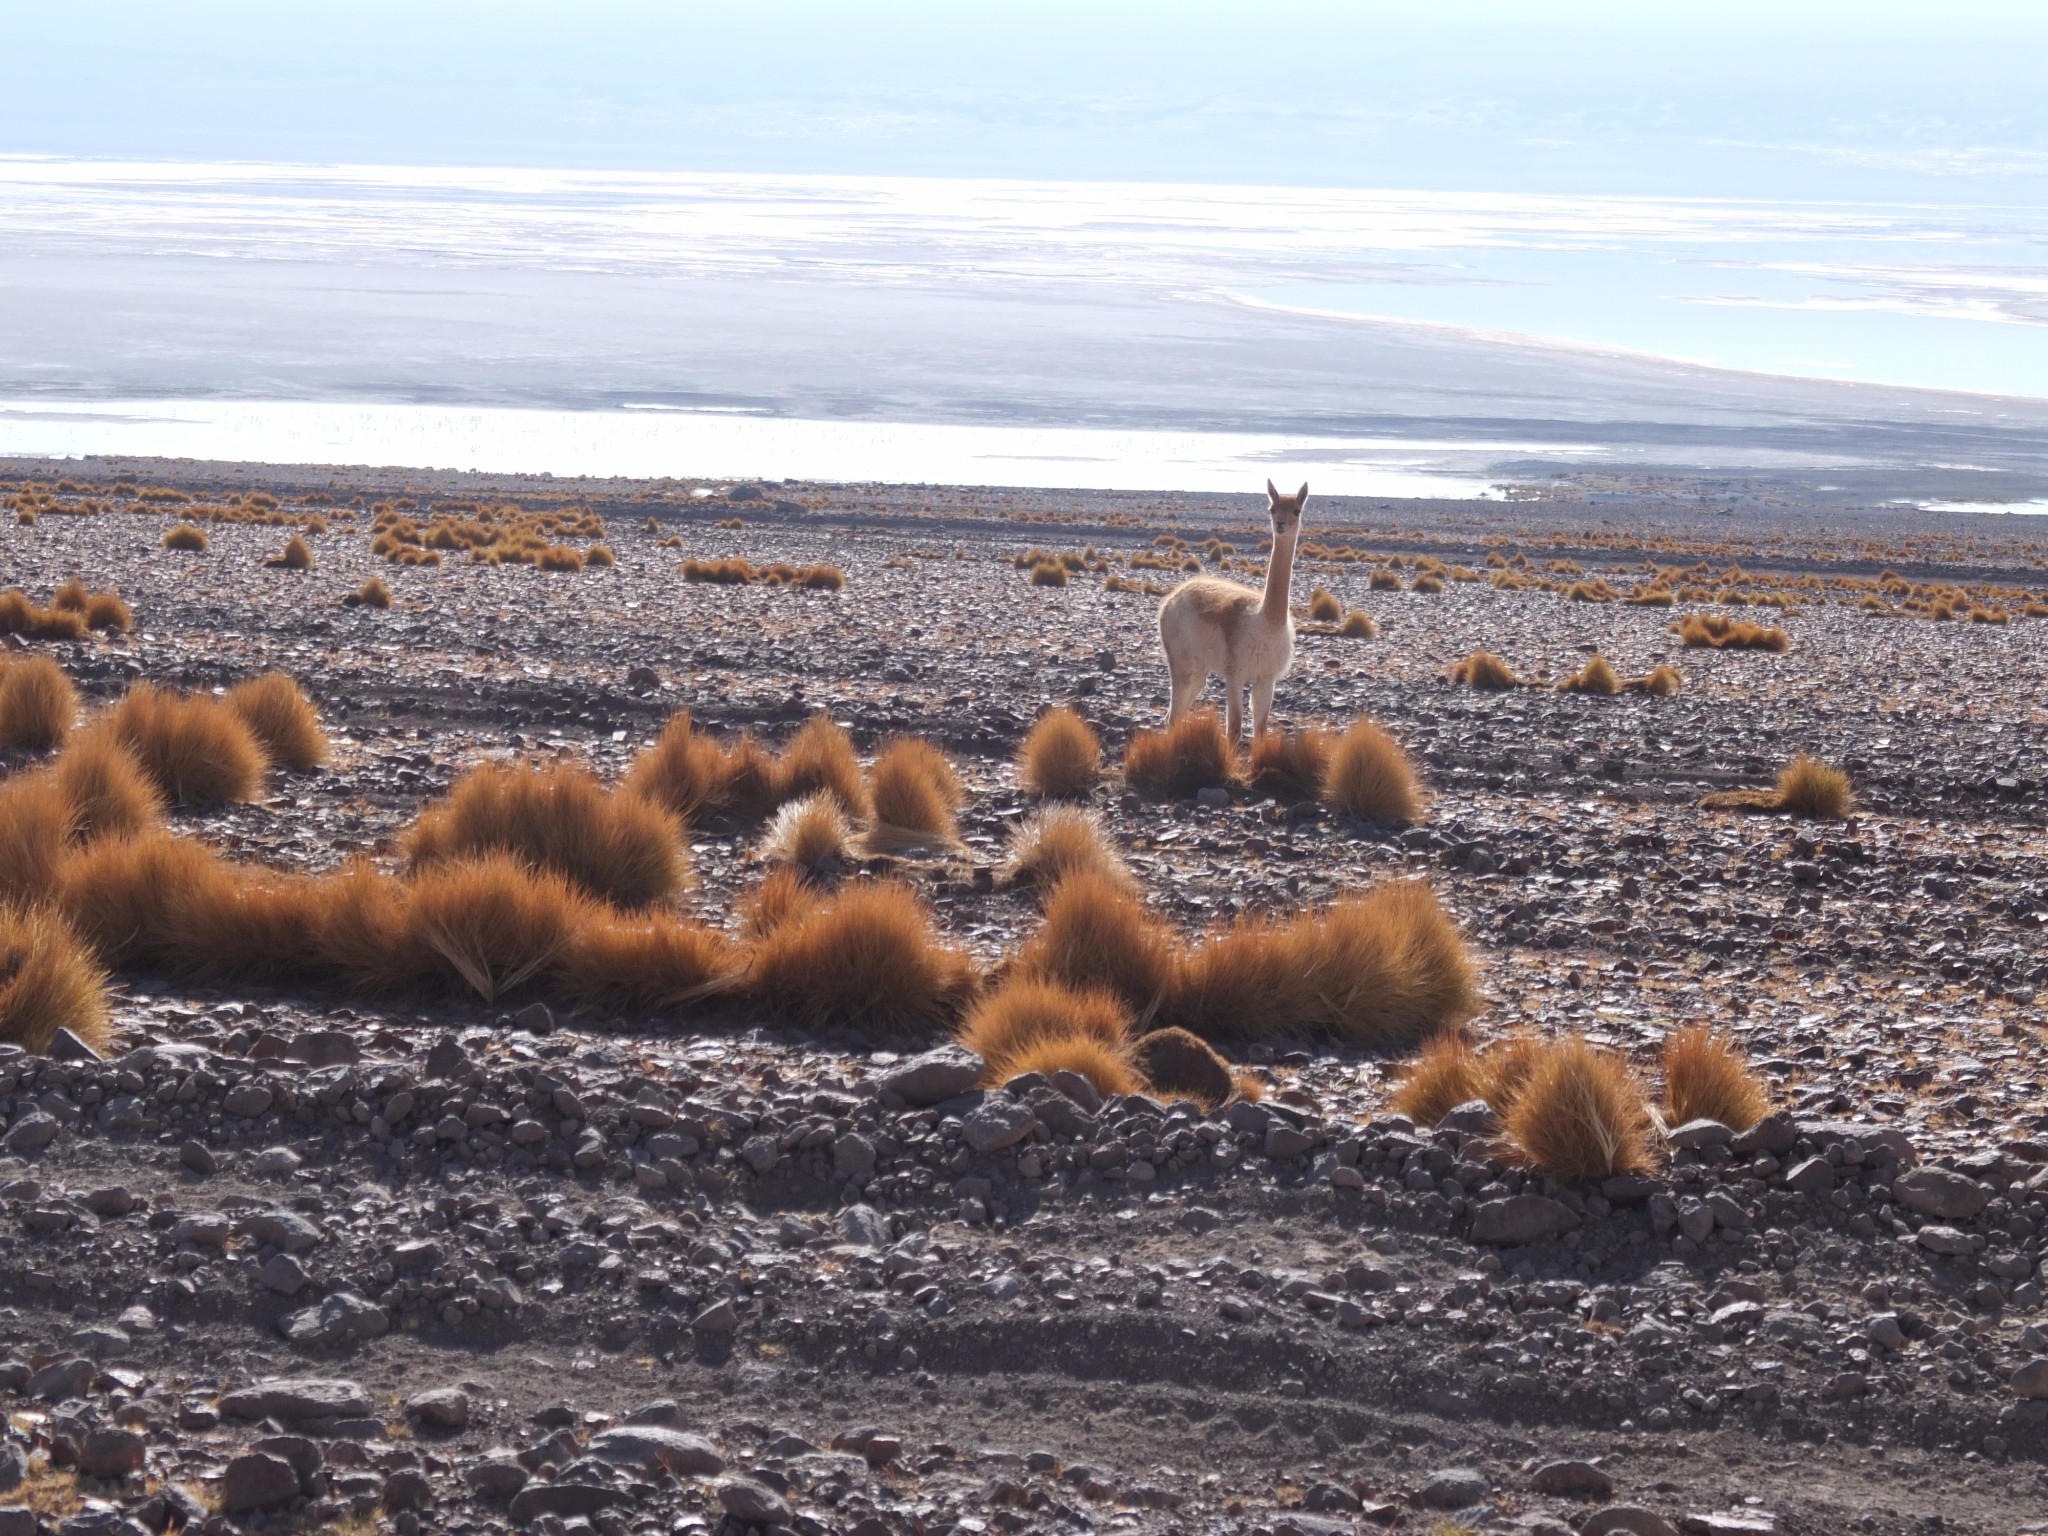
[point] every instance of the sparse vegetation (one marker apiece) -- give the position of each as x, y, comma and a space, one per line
1707, 1078
1323, 606
1191, 754
37, 704
48, 981
865, 958
371, 594
1056, 842
1061, 758
1596, 677
188, 538
1806, 787
1485, 671
821, 757
283, 720
1713, 631
811, 833
913, 792
1095, 934
197, 749
1581, 1114
297, 555
1370, 777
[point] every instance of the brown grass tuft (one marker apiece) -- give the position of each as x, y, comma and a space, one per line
1427, 582
1178, 1065
48, 981
558, 557
1323, 607
19, 616
1581, 1114
600, 557
782, 896
1189, 755
1504, 1069
1290, 765
196, 749
72, 597
105, 610
1097, 933
187, 537
821, 757
1058, 841
1384, 580
1706, 1077
809, 833
1597, 677
494, 922
866, 958
1384, 970
109, 793
1049, 575
121, 895
297, 555
363, 933
1239, 982
37, 822
1713, 631
37, 704
913, 791
371, 594
1445, 1075
283, 720
1108, 1068
1369, 776
1484, 670
1061, 758
1358, 625
640, 964
1026, 1010
1664, 682
1809, 787
685, 770
620, 848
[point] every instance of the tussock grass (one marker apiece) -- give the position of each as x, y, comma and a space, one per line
1663, 681
105, 610
124, 897
1706, 1077
371, 594
37, 704
72, 597
694, 776
197, 749
1383, 970
1370, 776
558, 557
1323, 606
1238, 982
283, 720
1505, 1067
19, 616
48, 981
1107, 1068
241, 923
1484, 670
1061, 758
1048, 575
1581, 1114
821, 757
37, 822
364, 936
811, 833
1358, 625
1025, 1011
297, 555
1445, 1075
1290, 765
1097, 934
1058, 841
642, 963
1427, 582
187, 537
600, 557
866, 958
1714, 631
1384, 580
1806, 787
782, 896
493, 922
104, 784
913, 792
1596, 677
1179, 1065
1190, 754
619, 848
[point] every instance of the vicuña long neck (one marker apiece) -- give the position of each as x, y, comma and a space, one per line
1279, 577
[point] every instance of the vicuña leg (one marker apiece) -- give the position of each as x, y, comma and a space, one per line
1187, 687
1233, 721
1262, 704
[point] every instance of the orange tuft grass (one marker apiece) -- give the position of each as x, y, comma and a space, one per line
1323, 607
72, 597
642, 963
1504, 1069
1707, 1077
1445, 1075
809, 833
821, 757
1713, 631
1290, 765
1596, 677
122, 896
1107, 1068
109, 793
493, 922
1061, 758
866, 958
48, 981
1190, 754
297, 555
913, 791
1025, 1010
782, 896
371, 594
1240, 981
1663, 681
620, 848
1358, 625
37, 704
1581, 1114
1058, 841
695, 776
105, 610
363, 935
187, 537
1370, 777
196, 749
283, 720
1097, 933
19, 616
1048, 575
600, 557
1484, 670
1806, 787
1383, 970
37, 822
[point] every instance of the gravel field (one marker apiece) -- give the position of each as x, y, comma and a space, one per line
291, 1262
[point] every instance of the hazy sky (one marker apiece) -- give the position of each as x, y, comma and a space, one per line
1939, 99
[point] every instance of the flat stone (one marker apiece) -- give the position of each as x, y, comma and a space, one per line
753, 1503
1475, 1117
13, 1465
284, 1275
289, 1399
111, 1453
66, 1045
198, 1158
1628, 1519
1700, 1133
1453, 1488
2031, 1379
31, 1133
257, 1480
19, 1520
719, 1317
1521, 1219
248, 1100
280, 1229
998, 1122
324, 1048
934, 1077
1777, 1133
565, 1501
1814, 1176
336, 1319
275, 1163
658, 1448
853, 1157
1572, 1480
1284, 1142
439, 1408
864, 1226
1945, 1240
61, 1379
497, 1477
1732, 1522
1940, 1193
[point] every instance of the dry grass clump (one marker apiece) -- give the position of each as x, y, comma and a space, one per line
1369, 776
866, 958
1384, 580
1048, 575
1289, 765
106, 788
1027, 1010
1581, 1114
363, 934
811, 833
1663, 681
371, 594
283, 720
913, 792
1178, 1065
1358, 625
558, 557
493, 922
1595, 591
1057, 842
621, 848
126, 896
1107, 1068
19, 616
1714, 631
782, 896
37, 704
197, 750
695, 776
187, 537
1596, 676
1190, 754
48, 981
1483, 669
821, 757
1806, 787
1426, 582
1383, 970
37, 823
1096, 933
1061, 758
641, 963
1706, 1077
1323, 606
1446, 1075
105, 610
1239, 982
297, 555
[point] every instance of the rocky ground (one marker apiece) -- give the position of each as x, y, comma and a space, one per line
294, 1264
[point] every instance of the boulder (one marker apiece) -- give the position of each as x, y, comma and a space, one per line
1521, 1219
658, 1448
934, 1077
290, 1399
1940, 1193
257, 1481
1180, 1065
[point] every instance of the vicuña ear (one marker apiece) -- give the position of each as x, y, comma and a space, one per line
1271, 494
1301, 496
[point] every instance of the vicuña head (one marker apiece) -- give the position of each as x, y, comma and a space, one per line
1209, 625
